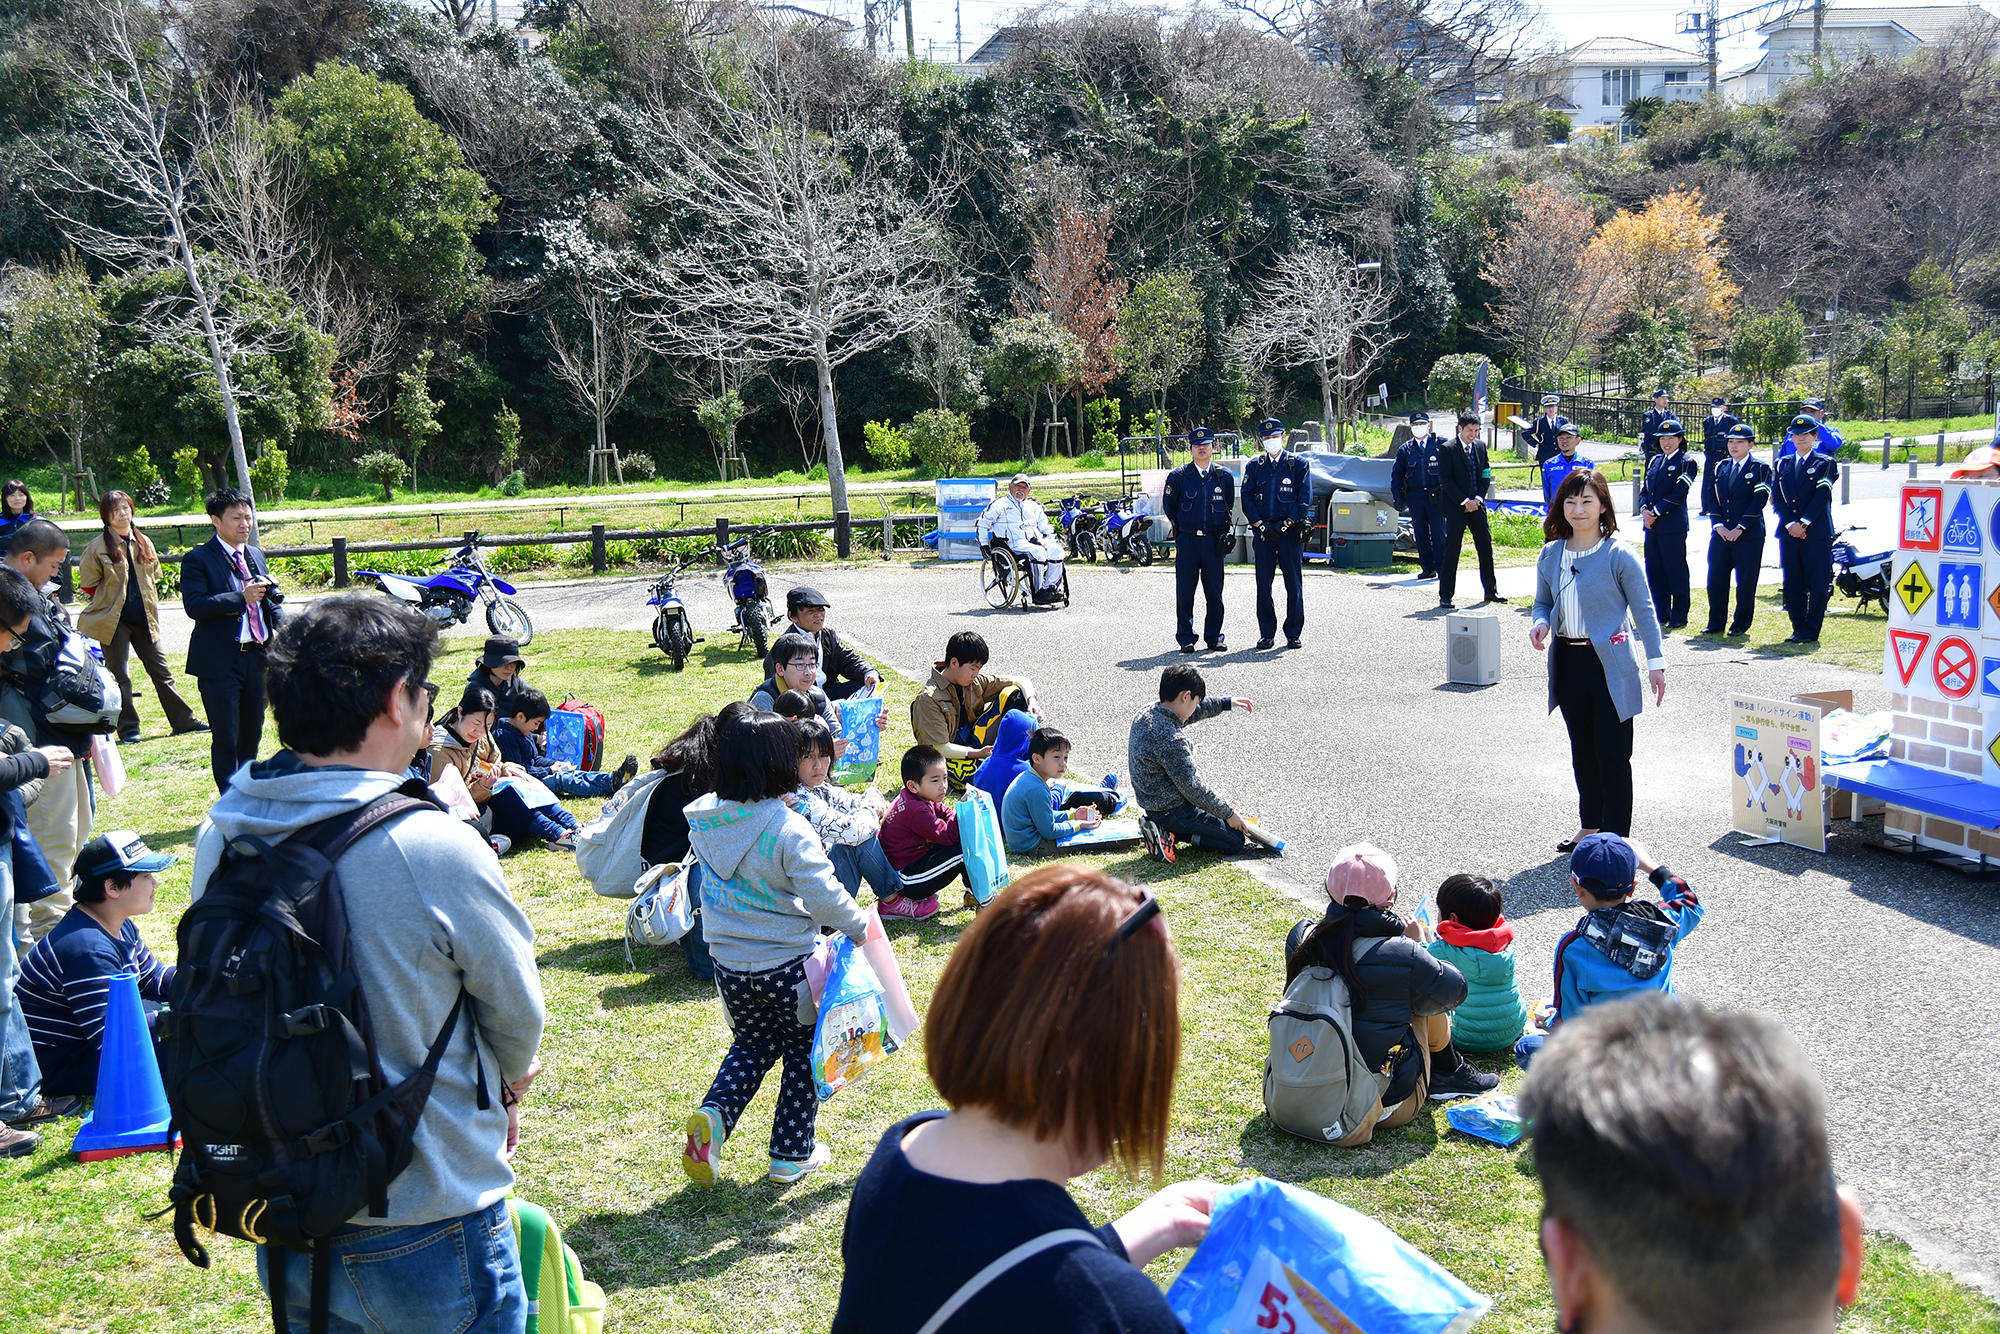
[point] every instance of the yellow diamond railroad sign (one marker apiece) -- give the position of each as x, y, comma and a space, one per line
1914, 588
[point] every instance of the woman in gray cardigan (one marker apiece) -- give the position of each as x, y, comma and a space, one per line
1589, 593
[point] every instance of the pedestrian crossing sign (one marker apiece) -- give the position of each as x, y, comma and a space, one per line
1914, 589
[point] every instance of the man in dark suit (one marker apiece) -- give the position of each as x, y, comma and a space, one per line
1463, 478
228, 592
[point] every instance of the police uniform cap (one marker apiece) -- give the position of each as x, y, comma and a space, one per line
1660, 393
1671, 426
1743, 431
1200, 435
1550, 400
1420, 416
1718, 402
1803, 425
1270, 426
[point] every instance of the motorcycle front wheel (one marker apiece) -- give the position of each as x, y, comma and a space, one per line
669, 635
504, 616
758, 633
1086, 546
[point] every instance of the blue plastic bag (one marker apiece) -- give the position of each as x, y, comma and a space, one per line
861, 728
1493, 1117
1280, 1258
982, 845
566, 736
852, 1030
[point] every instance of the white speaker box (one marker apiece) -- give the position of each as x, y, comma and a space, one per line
1472, 650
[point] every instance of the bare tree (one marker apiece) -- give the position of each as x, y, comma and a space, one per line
1556, 295
1319, 309
140, 151
801, 253
800, 400
460, 14
1455, 48
599, 361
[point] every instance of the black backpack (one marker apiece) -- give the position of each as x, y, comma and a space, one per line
289, 1127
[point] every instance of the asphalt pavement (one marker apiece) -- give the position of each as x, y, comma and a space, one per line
1880, 966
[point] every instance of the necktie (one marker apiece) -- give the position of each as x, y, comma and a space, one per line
253, 612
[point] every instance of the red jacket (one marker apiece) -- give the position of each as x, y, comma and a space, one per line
913, 826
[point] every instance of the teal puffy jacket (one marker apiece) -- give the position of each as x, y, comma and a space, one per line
1493, 1014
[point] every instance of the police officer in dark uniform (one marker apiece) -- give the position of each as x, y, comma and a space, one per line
1277, 501
1541, 432
1199, 500
1649, 425
1742, 486
1663, 508
1413, 485
1802, 495
1715, 447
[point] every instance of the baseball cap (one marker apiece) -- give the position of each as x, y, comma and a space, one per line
120, 852
803, 596
1986, 456
1362, 871
1604, 864
1020, 479
1420, 416
1569, 427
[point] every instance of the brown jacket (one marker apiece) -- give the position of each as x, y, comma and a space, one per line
936, 712
102, 579
467, 757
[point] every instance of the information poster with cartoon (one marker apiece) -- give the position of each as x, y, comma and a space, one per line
1775, 789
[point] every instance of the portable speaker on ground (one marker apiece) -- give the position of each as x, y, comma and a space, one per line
1472, 650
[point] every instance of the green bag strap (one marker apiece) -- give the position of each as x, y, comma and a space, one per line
531, 1233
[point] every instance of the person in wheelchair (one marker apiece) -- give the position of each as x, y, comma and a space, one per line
1024, 526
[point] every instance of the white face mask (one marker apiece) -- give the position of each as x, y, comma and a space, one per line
1715, 412
1274, 446
1420, 430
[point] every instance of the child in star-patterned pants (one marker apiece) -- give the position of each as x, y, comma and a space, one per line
771, 1016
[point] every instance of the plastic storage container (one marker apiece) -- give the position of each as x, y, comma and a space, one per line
1356, 551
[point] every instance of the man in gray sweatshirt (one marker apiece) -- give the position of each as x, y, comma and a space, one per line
1164, 782
429, 915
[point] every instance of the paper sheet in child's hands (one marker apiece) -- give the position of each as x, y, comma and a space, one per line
1108, 831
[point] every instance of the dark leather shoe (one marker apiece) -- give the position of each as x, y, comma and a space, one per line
128, 738
46, 1109
1293, 642
1221, 645
1264, 644
1567, 845
1187, 648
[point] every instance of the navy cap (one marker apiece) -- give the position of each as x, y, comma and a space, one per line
804, 596
1815, 404
1420, 416
1550, 400
1564, 426
1604, 864
1671, 426
1718, 402
120, 852
1200, 435
1802, 425
1270, 426
1659, 393
1743, 431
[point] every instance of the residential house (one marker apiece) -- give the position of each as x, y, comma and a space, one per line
1592, 83
1846, 34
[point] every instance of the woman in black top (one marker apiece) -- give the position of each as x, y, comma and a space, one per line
1053, 1035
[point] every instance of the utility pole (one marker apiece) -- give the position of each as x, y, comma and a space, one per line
958, 26
1819, 26
910, 30
1713, 42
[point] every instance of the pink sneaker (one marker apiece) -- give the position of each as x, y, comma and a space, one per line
902, 905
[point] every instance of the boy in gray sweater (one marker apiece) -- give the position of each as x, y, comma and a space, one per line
1164, 782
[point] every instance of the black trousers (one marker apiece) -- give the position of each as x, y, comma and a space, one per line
1807, 563
1742, 559
1197, 559
234, 704
1428, 521
1667, 568
1600, 744
1456, 522
1280, 555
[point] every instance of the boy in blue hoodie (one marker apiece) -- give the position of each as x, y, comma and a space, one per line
515, 735
1618, 948
1029, 816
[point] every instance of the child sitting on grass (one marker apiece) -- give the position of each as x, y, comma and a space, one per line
515, 735
1474, 938
1618, 948
920, 834
1029, 816
795, 659
1164, 783
848, 824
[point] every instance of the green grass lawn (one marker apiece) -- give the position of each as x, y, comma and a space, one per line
629, 1051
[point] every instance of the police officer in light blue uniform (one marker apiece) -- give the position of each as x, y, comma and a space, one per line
1541, 432
1742, 486
1565, 461
1199, 500
1277, 502
1663, 508
1413, 485
1802, 495
1715, 447
1830, 439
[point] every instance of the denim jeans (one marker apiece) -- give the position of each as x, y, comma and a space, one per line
461, 1275
853, 863
20, 1076
1200, 828
580, 782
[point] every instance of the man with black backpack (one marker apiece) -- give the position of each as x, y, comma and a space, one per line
39, 680
377, 1210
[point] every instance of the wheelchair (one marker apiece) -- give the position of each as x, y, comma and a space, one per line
1004, 577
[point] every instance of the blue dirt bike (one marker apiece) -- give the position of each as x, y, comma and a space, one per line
672, 630
744, 579
1082, 528
448, 597
1126, 534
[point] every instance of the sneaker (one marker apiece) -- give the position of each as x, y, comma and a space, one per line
1464, 1082
18, 1143
1446, 604
1187, 648
567, 843
46, 1109
1158, 841
785, 1172
1221, 644
902, 905
704, 1143
500, 844
627, 770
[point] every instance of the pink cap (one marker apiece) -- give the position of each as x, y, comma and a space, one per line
1362, 871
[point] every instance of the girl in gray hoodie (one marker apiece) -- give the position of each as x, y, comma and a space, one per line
767, 889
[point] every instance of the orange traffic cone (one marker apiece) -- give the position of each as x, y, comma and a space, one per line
130, 1114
